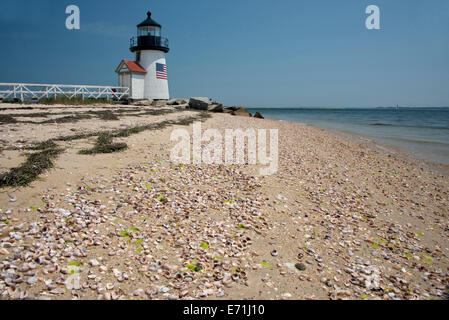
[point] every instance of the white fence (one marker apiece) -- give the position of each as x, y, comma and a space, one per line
25, 91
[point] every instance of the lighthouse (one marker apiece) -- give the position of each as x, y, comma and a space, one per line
146, 76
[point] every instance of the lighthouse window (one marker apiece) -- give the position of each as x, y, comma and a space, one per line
150, 31
138, 56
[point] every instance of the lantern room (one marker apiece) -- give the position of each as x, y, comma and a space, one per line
149, 36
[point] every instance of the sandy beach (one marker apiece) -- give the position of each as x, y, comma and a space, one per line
340, 219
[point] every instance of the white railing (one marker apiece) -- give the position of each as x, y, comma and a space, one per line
24, 91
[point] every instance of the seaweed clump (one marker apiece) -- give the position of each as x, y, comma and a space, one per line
105, 144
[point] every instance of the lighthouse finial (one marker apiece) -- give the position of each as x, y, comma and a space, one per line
149, 14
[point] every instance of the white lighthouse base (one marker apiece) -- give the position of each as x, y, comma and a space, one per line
154, 88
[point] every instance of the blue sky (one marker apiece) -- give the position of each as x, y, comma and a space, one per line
249, 52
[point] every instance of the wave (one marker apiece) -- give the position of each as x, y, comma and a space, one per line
422, 142
408, 126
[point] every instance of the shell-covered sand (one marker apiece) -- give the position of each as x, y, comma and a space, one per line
339, 220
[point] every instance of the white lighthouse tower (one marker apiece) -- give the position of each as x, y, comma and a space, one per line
146, 76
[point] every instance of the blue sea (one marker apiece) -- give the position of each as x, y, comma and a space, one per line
422, 132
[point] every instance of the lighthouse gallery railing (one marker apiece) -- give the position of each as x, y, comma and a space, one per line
149, 41
24, 91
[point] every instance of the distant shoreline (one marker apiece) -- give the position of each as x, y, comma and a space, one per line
346, 108
419, 132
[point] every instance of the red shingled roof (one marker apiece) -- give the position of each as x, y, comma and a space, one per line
134, 66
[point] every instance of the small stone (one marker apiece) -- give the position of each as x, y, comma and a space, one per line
3, 251
274, 253
164, 289
138, 292
94, 263
300, 266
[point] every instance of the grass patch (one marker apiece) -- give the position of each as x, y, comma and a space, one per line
105, 144
160, 125
38, 162
33, 115
49, 144
105, 115
72, 101
67, 119
194, 267
150, 112
70, 117
6, 118
35, 164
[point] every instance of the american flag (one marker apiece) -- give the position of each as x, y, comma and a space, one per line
161, 71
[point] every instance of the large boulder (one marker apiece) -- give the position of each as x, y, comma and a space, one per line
234, 108
241, 112
176, 102
217, 107
199, 103
258, 115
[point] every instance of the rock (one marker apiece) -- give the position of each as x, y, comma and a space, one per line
199, 103
182, 106
300, 266
138, 292
258, 115
164, 289
6, 231
215, 108
57, 291
143, 103
241, 112
172, 102
3, 251
159, 103
94, 263
176, 102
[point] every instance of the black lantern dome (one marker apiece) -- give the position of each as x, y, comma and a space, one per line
149, 22
149, 36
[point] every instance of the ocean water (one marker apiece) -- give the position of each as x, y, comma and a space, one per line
422, 132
